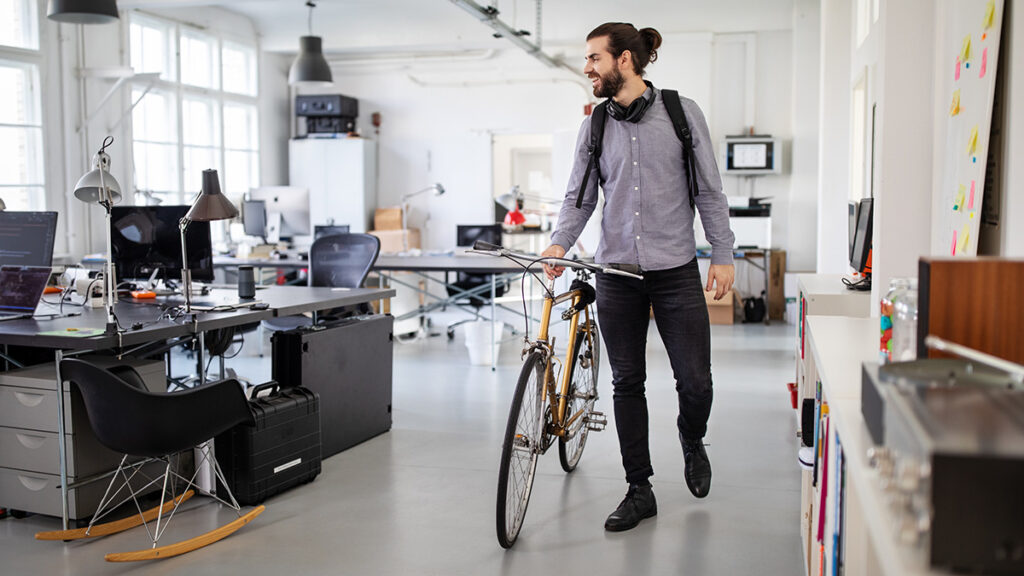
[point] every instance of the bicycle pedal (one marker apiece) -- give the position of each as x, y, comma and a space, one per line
596, 421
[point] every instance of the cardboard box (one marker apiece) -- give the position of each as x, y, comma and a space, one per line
387, 218
393, 241
720, 311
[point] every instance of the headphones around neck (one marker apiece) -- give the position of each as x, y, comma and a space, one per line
635, 111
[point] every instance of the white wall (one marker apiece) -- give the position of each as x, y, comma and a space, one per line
800, 231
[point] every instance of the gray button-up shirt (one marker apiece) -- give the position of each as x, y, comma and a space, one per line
647, 219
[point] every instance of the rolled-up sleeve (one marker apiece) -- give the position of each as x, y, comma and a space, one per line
572, 220
710, 202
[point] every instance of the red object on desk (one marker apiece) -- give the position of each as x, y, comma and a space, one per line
52, 290
143, 294
514, 217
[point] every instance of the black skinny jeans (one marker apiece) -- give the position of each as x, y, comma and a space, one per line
681, 315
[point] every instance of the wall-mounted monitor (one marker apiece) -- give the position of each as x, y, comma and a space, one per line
750, 155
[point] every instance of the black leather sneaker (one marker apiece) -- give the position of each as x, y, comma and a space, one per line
638, 504
698, 467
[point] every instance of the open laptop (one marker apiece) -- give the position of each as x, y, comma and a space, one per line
21, 287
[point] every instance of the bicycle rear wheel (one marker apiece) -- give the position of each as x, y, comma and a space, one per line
523, 444
582, 396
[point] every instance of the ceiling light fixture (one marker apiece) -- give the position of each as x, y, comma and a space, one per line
310, 68
83, 11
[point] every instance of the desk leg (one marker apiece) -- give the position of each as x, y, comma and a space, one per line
200, 353
494, 290
766, 256
61, 442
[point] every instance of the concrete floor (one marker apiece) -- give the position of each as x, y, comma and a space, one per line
420, 499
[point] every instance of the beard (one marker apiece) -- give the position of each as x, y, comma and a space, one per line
609, 84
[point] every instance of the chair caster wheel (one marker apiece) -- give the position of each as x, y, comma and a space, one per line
451, 334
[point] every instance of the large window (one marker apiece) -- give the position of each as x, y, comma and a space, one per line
22, 180
201, 113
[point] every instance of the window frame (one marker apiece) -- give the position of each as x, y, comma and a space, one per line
182, 91
33, 62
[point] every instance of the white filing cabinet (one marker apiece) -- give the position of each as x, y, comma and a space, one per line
29, 456
341, 176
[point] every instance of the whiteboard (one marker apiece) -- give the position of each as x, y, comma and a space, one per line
970, 53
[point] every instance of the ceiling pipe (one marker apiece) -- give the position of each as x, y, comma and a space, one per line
489, 16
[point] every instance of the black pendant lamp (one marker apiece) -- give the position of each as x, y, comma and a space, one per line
83, 11
310, 67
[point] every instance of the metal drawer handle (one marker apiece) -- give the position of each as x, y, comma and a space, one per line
33, 484
31, 442
30, 400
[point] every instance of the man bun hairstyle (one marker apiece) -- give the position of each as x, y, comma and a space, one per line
642, 44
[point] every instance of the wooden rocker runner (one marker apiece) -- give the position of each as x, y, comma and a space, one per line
129, 419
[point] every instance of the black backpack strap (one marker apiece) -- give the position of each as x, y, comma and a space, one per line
675, 111
597, 119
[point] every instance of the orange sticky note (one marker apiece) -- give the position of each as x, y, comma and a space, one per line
990, 14
965, 49
984, 63
970, 203
954, 108
958, 202
972, 141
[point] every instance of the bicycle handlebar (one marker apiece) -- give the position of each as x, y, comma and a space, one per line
481, 247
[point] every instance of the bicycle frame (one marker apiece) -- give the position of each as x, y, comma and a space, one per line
557, 395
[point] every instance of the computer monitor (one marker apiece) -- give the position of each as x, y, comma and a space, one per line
467, 234
852, 229
319, 231
146, 240
860, 251
26, 238
291, 204
254, 217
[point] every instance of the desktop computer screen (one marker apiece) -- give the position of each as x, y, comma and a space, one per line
26, 238
287, 204
146, 239
860, 249
319, 231
254, 217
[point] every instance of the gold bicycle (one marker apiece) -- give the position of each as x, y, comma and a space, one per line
555, 396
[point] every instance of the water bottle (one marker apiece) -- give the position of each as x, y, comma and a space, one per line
897, 287
904, 325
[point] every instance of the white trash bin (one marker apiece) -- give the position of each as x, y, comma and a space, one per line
478, 341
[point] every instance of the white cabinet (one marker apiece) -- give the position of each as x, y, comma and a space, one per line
341, 176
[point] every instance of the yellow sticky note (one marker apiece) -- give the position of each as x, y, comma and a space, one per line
954, 108
990, 14
965, 234
965, 50
958, 203
972, 141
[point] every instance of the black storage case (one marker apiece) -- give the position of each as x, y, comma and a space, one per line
280, 452
349, 364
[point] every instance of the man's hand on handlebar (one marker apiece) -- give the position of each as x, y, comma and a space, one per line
553, 251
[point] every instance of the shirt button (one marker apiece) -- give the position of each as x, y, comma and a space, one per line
634, 163
637, 213
636, 187
637, 237
634, 138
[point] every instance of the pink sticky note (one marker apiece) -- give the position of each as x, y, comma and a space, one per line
984, 63
970, 202
952, 251
957, 75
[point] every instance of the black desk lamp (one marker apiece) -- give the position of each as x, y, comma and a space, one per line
209, 206
99, 187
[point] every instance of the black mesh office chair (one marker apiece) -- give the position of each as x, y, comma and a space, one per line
130, 420
473, 289
338, 261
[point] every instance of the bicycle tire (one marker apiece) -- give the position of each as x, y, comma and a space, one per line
582, 395
523, 443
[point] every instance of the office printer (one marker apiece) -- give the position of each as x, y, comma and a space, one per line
750, 220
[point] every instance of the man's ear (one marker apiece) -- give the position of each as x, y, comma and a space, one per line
625, 60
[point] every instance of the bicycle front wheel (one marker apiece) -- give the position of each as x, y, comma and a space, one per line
524, 442
582, 395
